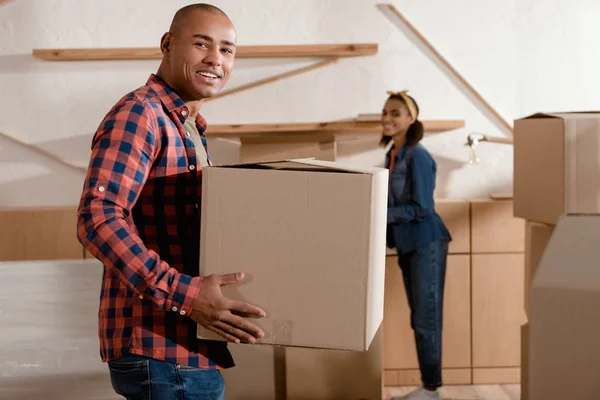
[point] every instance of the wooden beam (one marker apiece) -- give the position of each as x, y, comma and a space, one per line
275, 78
152, 53
353, 126
43, 152
398, 19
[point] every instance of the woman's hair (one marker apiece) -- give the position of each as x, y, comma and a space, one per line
415, 130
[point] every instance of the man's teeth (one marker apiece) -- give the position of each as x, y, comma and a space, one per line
208, 75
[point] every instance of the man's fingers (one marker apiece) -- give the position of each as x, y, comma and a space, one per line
223, 333
246, 310
230, 279
233, 331
244, 325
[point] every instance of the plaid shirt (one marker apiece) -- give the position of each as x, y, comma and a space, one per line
139, 214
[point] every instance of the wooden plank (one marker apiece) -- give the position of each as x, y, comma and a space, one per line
154, 53
497, 311
39, 233
352, 126
43, 152
412, 377
275, 78
398, 19
486, 376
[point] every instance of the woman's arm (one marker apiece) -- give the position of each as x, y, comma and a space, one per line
423, 185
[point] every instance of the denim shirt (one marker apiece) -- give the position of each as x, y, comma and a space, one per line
411, 214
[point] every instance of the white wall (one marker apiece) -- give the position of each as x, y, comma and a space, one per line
522, 56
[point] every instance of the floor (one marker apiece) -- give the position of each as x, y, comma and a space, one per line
475, 392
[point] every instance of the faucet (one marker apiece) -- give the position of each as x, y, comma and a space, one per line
473, 140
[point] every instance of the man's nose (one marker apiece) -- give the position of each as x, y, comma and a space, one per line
213, 58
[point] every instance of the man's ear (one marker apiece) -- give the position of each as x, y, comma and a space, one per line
165, 43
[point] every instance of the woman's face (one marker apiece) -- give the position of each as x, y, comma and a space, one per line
395, 118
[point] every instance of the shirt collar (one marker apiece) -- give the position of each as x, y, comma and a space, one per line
171, 100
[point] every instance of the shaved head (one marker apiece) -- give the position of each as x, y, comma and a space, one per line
198, 51
180, 17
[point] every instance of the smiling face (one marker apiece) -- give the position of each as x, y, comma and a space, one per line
198, 54
395, 118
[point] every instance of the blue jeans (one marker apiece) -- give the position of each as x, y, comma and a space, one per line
139, 378
424, 273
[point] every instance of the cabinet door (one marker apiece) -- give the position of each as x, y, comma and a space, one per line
399, 343
497, 309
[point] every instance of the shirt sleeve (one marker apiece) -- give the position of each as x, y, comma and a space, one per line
423, 185
123, 151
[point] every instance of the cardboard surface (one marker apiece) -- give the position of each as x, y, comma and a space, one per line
316, 374
310, 236
525, 362
556, 164
537, 237
494, 229
564, 321
259, 373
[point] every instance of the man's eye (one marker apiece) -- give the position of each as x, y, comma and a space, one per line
228, 51
200, 44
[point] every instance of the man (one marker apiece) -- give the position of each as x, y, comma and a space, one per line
139, 214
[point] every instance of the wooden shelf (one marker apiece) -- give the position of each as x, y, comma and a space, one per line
352, 126
152, 53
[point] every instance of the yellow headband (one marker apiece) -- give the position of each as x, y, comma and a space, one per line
412, 108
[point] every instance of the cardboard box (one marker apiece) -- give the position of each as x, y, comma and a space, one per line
259, 373
537, 236
525, 362
556, 165
316, 374
310, 235
494, 229
564, 321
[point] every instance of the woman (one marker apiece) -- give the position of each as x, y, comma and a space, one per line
418, 234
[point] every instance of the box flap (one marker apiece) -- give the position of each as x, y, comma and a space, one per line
564, 115
337, 165
305, 164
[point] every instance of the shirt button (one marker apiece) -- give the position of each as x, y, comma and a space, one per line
192, 167
188, 134
182, 312
141, 297
184, 113
174, 308
101, 188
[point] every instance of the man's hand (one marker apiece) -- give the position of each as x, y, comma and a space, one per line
224, 316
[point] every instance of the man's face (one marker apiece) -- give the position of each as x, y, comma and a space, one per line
200, 54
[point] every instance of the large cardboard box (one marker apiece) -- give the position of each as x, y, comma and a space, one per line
564, 321
556, 165
537, 237
310, 235
317, 374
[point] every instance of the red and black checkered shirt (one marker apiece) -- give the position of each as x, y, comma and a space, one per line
140, 215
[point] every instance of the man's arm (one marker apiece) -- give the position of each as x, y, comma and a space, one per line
123, 151
423, 184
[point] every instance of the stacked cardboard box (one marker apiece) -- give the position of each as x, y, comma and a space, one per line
556, 174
